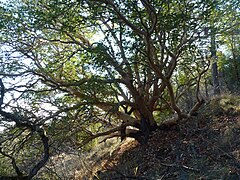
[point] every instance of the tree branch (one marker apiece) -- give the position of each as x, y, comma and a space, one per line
122, 17
23, 122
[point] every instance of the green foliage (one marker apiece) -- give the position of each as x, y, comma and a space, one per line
5, 167
82, 68
226, 104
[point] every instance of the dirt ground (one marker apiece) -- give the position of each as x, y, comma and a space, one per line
206, 147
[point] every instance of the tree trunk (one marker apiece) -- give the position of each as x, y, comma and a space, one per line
215, 77
235, 63
206, 88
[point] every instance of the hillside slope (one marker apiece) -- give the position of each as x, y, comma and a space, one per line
206, 147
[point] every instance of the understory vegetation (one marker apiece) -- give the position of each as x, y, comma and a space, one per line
87, 85
206, 147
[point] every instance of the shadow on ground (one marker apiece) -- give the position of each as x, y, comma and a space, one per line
206, 147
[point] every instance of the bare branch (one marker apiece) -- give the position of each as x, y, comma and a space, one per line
2, 91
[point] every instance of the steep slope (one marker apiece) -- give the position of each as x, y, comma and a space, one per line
206, 147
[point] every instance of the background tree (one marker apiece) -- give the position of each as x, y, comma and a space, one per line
229, 39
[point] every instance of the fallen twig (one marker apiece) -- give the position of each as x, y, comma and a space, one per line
236, 161
180, 166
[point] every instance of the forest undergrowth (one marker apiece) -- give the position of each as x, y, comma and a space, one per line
206, 147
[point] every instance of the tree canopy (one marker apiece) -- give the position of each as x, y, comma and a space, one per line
73, 71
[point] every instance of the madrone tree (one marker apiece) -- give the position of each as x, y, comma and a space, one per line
73, 71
